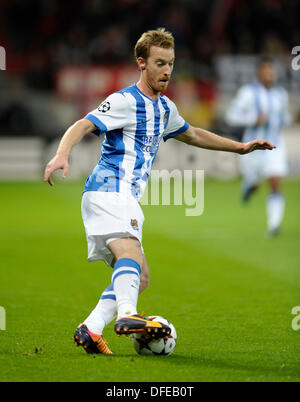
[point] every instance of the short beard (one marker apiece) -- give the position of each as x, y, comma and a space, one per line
153, 88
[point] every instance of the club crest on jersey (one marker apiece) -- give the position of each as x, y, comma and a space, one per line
134, 224
166, 119
104, 107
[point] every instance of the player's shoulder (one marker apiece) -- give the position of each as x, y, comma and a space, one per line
249, 87
130, 92
118, 96
246, 91
281, 91
117, 100
127, 95
167, 101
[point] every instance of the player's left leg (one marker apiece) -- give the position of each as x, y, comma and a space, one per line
275, 206
105, 311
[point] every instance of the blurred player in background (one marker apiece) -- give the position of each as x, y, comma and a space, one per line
261, 107
134, 120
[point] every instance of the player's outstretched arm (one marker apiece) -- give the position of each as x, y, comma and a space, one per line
72, 136
205, 139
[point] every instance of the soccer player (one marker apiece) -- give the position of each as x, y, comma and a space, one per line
134, 120
261, 108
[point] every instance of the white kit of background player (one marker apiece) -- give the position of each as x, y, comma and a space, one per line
261, 107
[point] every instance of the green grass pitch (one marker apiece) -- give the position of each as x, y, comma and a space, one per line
227, 288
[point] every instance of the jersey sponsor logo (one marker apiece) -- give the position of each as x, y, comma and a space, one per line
104, 107
150, 143
134, 224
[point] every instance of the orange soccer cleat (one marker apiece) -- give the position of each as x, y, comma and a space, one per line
92, 343
140, 325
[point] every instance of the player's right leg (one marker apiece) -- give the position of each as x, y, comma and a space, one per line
126, 282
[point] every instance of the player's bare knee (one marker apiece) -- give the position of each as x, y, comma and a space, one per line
127, 248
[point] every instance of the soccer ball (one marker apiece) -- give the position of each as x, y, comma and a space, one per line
145, 345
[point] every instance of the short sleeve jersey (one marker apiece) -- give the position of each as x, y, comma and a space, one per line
134, 126
253, 100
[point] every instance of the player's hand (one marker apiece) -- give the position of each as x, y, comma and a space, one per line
56, 163
254, 145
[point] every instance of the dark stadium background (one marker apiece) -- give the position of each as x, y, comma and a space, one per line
41, 37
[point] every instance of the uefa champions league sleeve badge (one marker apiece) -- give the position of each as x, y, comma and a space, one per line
104, 107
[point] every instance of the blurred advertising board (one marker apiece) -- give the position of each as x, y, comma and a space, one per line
87, 86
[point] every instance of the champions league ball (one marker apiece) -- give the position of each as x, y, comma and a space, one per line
145, 345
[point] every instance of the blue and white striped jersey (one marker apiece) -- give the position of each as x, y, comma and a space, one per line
134, 125
253, 100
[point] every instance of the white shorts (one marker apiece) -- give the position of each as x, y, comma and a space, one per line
108, 216
263, 164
